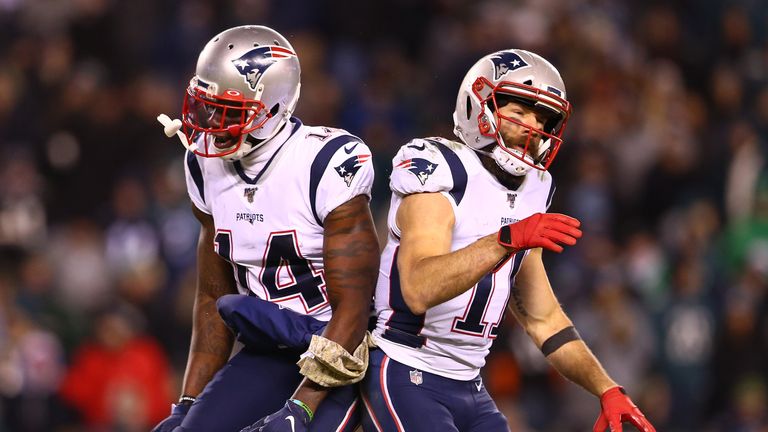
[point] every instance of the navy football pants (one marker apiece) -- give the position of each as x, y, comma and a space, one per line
257, 381
400, 398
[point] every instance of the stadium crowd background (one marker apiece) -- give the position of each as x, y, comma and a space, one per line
664, 163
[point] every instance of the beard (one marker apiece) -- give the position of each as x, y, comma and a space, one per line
519, 141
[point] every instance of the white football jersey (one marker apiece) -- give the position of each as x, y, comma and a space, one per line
452, 338
269, 208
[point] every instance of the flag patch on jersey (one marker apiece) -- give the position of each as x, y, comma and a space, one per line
350, 167
421, 168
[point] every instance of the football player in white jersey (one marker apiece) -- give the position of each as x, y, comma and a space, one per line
467, 226
286, 229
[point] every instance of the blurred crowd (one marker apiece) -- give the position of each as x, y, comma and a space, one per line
664, 163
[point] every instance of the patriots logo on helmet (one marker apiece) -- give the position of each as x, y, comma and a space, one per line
350, 167
421, 168
506, 61
255, 62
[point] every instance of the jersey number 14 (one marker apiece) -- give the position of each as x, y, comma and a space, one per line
282, 254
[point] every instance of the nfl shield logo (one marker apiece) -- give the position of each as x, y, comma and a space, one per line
511, 200
249, 194
416, 377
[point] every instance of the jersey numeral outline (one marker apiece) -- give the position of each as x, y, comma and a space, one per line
305, 283
222, 244
281, 254
473, 322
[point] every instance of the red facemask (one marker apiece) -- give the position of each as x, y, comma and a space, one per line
219, 124
552, 131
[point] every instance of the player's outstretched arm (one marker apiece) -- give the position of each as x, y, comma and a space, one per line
536, 308
431, 274
212, 341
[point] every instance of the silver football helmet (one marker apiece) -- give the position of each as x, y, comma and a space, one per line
522, 76
246, 83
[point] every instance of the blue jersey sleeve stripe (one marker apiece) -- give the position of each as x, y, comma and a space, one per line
196, 172
402, 327
551, 193
458, 172
320, 164
518, 261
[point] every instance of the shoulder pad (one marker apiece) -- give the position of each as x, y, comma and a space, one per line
322, 134
341, 169
428, 165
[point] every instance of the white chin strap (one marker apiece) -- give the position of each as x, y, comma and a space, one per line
508, 162
173, 127
512, 163
511, 160
244, 148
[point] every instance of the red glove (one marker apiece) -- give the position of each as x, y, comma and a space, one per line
541, 230
618, 407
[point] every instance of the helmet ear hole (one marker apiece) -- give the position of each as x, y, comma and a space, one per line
469, 108
274, 110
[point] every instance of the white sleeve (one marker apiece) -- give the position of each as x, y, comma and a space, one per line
347, 174
427, 166
195, 182
420, 166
